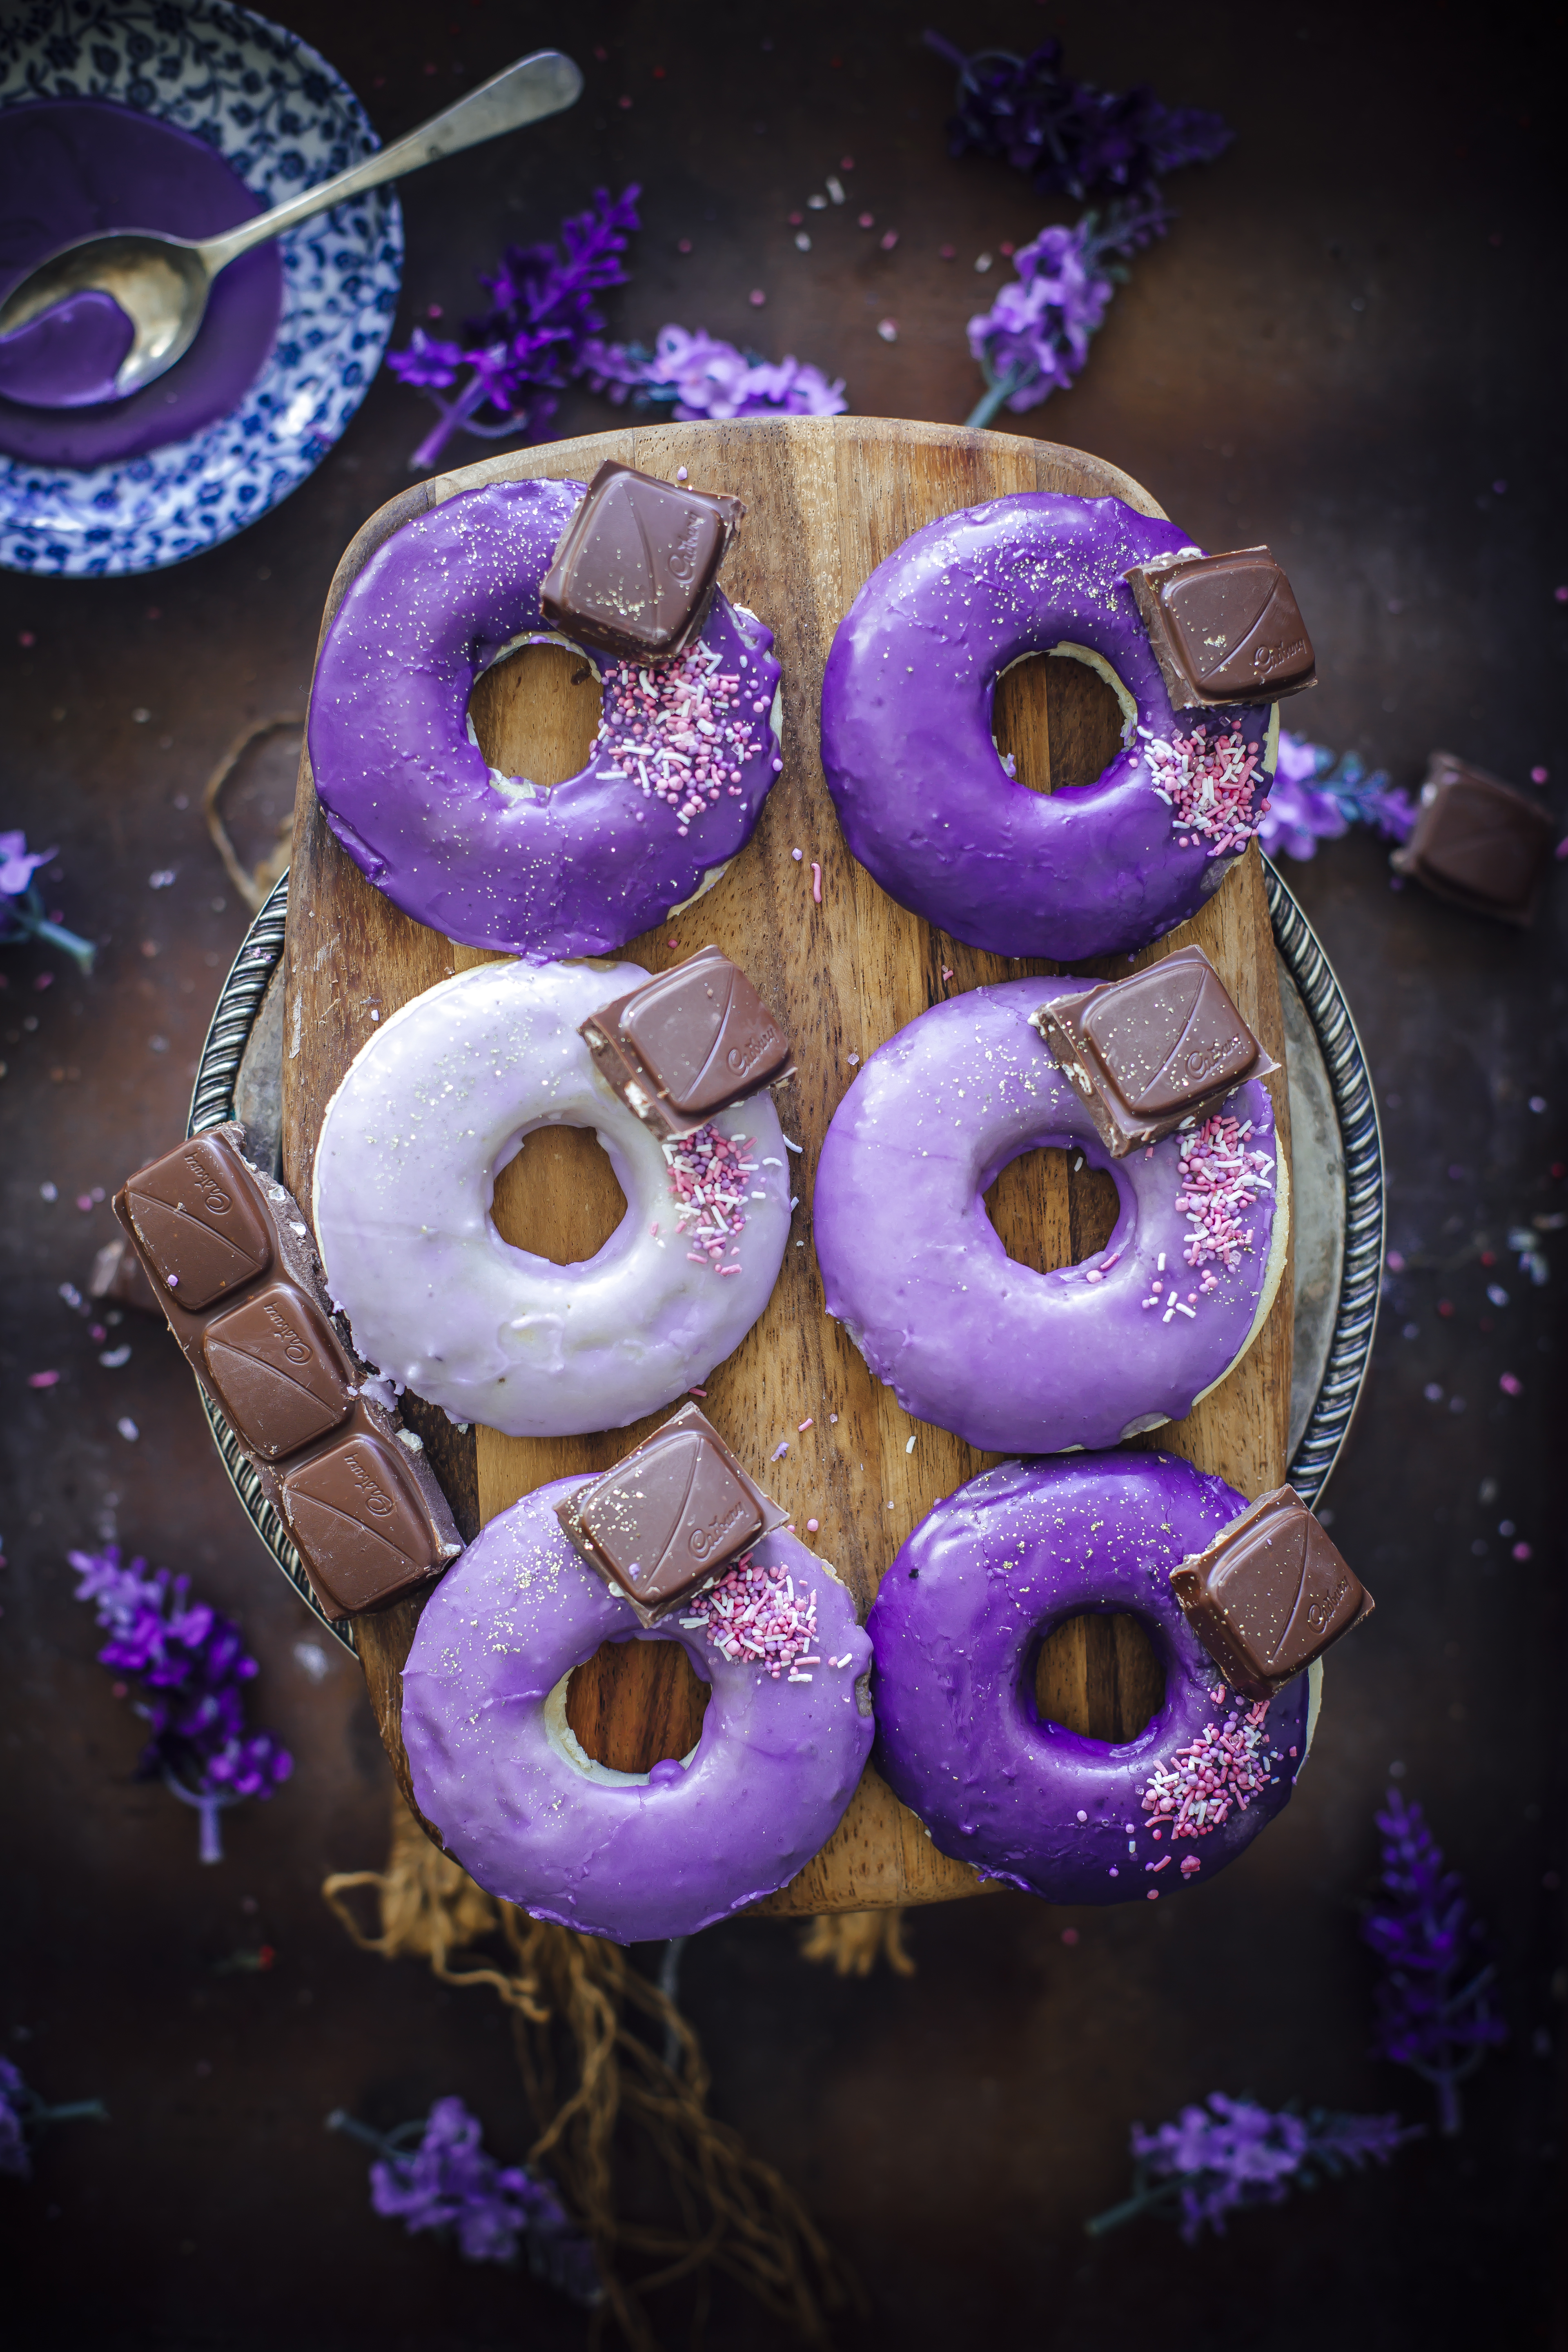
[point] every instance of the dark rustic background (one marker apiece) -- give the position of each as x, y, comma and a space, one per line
1349, 347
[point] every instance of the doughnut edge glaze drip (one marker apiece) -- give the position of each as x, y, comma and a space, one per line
907, 746
632, 1857
577, 869
1009, 1358
955, 1627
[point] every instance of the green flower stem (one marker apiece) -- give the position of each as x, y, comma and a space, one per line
997, 392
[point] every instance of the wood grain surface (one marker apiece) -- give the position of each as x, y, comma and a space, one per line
827, 498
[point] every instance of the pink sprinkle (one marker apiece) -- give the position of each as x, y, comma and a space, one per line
25, 637
758, 297
1521, 1552
1189, 1866
817, 881
42, 1380
1153, 1894
1541, 775
946, 972
1395, 1262
889, 239
45, 980
806, 1423
1069, 1935
1212, 786
84, 1202
812, 1526
1510, 1385
697, 1393
780, 1450
867, 220
172, 1280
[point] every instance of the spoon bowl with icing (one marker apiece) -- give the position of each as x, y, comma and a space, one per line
110, 313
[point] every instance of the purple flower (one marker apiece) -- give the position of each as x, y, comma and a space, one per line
1318, 795
696, 375
1035, 338
22, 915
521, 351
1072, 139
22, 2111
1434, 2010
1232, 2154
447, 2182
192, 1664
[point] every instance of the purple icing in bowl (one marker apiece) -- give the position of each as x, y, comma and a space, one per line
628, 1855
925, 802
498, 862
68, 356
72, 167
1010, 1358
956, 1629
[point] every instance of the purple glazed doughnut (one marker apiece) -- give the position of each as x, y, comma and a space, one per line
685, 755
1011, 1358
956, 1627
907, 747
629, 1855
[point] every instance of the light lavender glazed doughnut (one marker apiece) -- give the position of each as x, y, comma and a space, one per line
687, 750
1009, 1358
429, 1112
630, 1855
925, 802
955, 1628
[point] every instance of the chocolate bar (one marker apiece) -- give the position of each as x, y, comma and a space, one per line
1224, 628
231, 1261
1478, 843
690, 1044
670, 1517
1152, 1052
1269, 1594
636, 566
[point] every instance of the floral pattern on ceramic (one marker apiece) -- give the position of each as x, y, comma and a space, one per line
285, 121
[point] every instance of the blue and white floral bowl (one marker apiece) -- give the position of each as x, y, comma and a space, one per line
284, 121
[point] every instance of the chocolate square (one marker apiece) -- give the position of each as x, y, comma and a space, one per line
281, 1375
1478, 843
357, 1514
1224, 628
636, 566
689, 1043
1269, 1594
195, 1215
670, 1517
1152, 1051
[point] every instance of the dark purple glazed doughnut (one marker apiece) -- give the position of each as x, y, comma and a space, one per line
925, 802
954, 1631
686, 751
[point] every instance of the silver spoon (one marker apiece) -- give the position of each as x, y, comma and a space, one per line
161, 283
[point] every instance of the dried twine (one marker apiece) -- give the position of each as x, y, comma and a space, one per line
853, 1941
587, 2073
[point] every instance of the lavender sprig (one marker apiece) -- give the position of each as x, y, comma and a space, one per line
192, 1665
22, 914
447, 2182
1317, 794
1072, 139
529, 343
1034, 340
1434, 2011
22, 2112
1234, 2154
696, 375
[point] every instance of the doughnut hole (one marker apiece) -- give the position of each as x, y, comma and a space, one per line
1098, 1675
1059, 719
633, 1704
1046, 1216
559, 1196
537, 712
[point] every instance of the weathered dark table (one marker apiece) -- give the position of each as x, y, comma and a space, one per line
1348, 348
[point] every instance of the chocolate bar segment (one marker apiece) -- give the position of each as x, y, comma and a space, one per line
667, 1520
279, 1369
1224, 628
1478, 843
636, 565
690, 1044
231, 1261
1269, 1594
357, 1517
1151, 1052
201, 1232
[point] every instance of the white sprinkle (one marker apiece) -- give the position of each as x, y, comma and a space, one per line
910, 1446
1160, 1268
788, 1147
1190, 1312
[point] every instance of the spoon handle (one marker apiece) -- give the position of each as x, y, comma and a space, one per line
537, 85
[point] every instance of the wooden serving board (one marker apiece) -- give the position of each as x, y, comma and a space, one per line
826, 499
